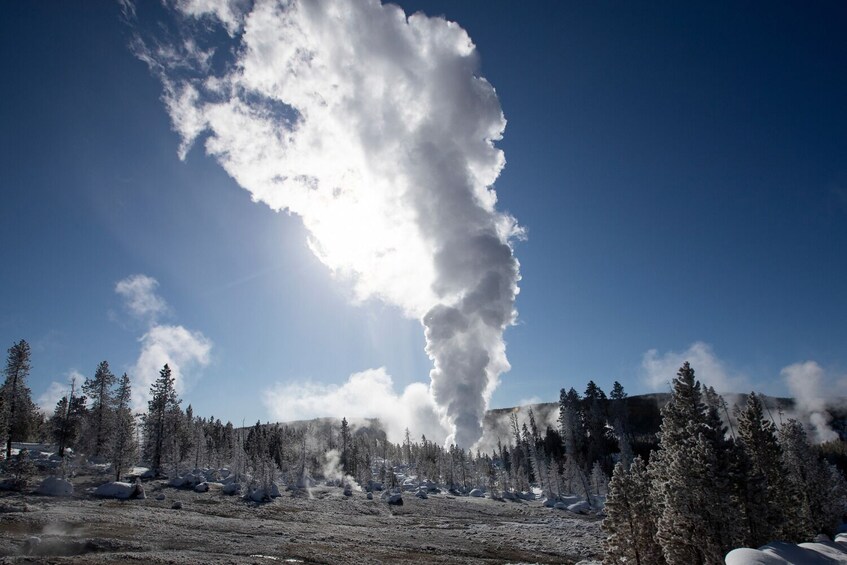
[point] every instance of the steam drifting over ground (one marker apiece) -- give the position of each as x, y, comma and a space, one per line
378, 131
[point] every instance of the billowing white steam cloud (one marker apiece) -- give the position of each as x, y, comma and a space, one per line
805, 381
378, 131
367, 394
658, 370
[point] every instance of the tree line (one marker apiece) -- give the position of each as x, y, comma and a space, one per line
708, 489
687, 494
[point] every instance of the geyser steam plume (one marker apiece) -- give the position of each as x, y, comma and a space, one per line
378, 131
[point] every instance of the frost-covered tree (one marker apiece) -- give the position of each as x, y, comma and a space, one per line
762, 485
101, 412
630, 518
345, 446
257, 448
18, 409
690, 482
159, 422
67, 421
619, 418
817, 490
123, 446
599, 480
520, 457
595, 424
571, 425
538, 457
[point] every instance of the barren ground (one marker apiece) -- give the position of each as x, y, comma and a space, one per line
324, 527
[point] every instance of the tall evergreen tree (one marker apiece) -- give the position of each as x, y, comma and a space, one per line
571, 425
619, 417
818, 490
67, 420
594, 411
124, 449
158, 422
631, 518
18, 409
762, 485
694, 526
520, 457
101, 412
345, 446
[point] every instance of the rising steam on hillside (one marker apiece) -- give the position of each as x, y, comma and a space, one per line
377, 129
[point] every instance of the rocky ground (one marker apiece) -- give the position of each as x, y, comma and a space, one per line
320, 526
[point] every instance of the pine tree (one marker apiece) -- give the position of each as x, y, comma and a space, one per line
67, 421
158, 422
631, 518
17, 398
124, 449
818, 490
101, 412
695, 525
595, 424
571, 425
345, 446
763, 488
620, 422
520, 457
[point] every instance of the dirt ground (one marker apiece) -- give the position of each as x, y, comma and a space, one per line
321, 526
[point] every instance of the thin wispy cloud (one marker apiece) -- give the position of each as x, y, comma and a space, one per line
56, 390
185, 351
141, 299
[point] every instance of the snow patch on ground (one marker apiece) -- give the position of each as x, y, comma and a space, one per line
120, 490
783, 553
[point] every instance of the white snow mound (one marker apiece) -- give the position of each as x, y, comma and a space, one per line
783, 553
120, 490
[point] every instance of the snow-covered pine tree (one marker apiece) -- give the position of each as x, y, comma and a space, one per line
520, 477
763, 488
594, 410
574, 440
538, 458
619, 417
18, 409
124, 449
619, 524
726, 518
345, 446
570, 424
101, 412
159, 421
646, 511
599, 480
66, 423
817, 490
689, 480
630, 518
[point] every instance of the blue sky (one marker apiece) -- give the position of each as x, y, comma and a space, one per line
681, 171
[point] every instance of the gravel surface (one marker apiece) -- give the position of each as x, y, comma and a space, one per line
320, 526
